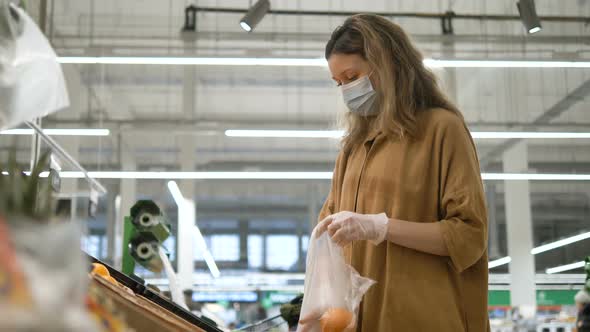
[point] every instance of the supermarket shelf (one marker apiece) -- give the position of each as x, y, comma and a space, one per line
139, 288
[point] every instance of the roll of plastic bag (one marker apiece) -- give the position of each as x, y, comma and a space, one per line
32, 83
173, 282
333, 289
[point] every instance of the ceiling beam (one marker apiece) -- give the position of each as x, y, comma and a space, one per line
183, 124
62, 42
418, 15
572, 98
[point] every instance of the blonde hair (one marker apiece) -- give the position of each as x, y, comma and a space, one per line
403, 84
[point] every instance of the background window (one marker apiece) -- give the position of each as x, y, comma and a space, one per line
281, 252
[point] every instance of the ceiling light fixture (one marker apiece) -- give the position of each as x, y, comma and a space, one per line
567, 267
534, 177
527, 135
175, 192
186, 221
560, 243
59, 132
157, 175
285, 133
307, 62
499, 262
543, 248
312, 62
278, 133
481, 63
254, 15
528, 15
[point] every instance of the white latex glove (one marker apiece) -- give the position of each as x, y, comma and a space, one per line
345, 227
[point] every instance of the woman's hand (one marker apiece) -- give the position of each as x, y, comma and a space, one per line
345, 227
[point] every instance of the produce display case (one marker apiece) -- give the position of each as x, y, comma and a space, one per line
269, 324
139, 300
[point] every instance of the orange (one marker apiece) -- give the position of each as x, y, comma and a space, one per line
100, 269
335, 320
111, 280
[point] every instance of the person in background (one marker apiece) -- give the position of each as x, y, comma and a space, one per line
583, 305
407, 201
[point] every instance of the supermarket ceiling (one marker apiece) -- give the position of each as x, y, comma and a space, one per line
152, 111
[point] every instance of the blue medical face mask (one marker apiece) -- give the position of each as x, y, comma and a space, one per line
359, 96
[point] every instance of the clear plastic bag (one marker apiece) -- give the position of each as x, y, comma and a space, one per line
32, 83
333, 289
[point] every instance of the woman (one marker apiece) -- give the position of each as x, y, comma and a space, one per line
406, 202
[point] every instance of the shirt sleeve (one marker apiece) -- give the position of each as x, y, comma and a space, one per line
464, 223
329, 206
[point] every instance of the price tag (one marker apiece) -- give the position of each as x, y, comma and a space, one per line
55, 180
93, 203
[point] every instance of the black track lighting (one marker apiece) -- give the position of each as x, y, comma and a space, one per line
255, 15
528, 15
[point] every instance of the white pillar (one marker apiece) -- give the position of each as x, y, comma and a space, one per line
493, 237
312, 207
184, 254
450, 74
187, 217
111, 222
519, 229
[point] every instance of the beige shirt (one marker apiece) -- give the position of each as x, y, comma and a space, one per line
435, 178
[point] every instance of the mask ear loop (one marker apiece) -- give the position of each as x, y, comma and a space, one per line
358, 80
369, 77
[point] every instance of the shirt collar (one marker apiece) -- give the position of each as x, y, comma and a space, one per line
372, 135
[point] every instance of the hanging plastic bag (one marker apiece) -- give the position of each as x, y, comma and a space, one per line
32, 83
333, 289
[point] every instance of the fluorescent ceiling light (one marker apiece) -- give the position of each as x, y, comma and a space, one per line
441, 63
508, 135
566, 267
560, 243
183, 205
312, 62
499, 262
176, 194
543, 248
206, 253
278, 133
535, 177
59, 132
309, 62
156, 175
203, 175
285, 133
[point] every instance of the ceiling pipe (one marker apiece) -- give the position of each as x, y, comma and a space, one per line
437, 16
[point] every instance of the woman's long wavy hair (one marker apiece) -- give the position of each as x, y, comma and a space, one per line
403, 84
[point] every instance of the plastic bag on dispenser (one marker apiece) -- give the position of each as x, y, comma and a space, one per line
333, 289
32, 83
